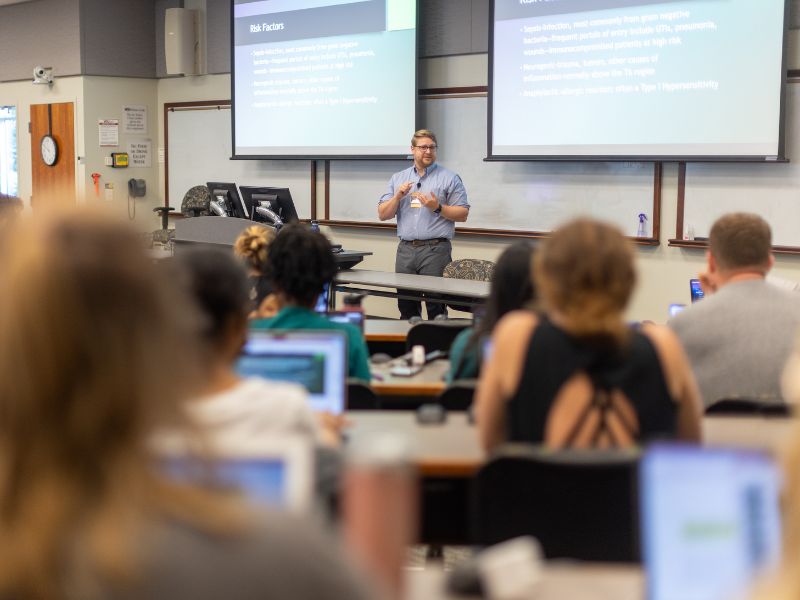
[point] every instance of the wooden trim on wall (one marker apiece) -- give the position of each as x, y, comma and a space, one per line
313, 190
327, 190
681, 196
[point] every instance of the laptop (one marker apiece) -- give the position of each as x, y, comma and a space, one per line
317, 360
710, 521
353, 317
275, 472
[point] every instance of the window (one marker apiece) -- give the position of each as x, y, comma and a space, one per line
8, 151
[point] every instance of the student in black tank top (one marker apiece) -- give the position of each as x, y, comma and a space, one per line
581, 377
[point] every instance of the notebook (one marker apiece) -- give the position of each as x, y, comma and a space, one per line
277, 471
710, 521
316, 360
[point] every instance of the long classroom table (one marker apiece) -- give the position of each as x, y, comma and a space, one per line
414, 287
451, 449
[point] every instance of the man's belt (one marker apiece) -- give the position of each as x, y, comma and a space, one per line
432, 242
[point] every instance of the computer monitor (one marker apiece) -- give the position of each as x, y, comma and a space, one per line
228, 195
316, 360
274, 471
280, 201
710, 521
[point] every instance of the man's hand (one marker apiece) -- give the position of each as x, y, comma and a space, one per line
428, 201
403, 189
708, 282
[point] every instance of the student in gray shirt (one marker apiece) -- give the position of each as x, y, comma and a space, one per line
740, 335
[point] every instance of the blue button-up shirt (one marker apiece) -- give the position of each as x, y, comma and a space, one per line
421, 223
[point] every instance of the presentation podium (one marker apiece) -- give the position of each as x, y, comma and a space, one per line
221, 232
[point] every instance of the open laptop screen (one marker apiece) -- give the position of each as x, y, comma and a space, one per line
316, 360
275, 472
710, 521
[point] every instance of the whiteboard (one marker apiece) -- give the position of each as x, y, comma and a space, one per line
199, 150
507, 196
771, 190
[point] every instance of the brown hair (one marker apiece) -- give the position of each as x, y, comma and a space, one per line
423, 133
252, 245
585, 273
741, 241
86, 332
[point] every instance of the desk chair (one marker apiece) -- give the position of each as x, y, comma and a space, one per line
196, 202
435, 335
458, 395
578, 504
749, 407
467, 268
360, 396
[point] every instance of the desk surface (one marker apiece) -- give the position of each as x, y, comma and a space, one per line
420, 283
428, 382
560, 580
452, 449
386, 330
447, 450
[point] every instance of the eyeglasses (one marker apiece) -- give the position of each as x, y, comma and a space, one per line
431, 148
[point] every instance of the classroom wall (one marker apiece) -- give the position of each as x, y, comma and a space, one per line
104, 98
663, 271
48, 30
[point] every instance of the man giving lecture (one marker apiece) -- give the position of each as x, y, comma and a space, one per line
427, 200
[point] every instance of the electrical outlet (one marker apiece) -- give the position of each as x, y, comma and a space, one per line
108, 161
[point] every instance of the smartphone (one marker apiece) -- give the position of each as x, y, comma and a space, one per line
696, 290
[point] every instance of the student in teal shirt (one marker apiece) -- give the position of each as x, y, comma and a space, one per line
512, 288
299, 264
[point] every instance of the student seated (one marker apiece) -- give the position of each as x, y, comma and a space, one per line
511, 289
96, 356
251, 246
300, 263
232, 405
579, 376
739, 336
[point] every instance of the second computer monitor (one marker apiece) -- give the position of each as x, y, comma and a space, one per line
228, 195
280, 200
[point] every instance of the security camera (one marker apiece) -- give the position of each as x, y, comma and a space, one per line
42, 74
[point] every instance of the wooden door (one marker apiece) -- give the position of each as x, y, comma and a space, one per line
53, 185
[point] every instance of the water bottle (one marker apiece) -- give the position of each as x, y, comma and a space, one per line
315, 226
642, 230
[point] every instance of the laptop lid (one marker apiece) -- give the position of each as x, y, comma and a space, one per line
710, 521
316, 360
277, 471
353, 317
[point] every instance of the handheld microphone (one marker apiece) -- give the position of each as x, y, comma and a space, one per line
217, 209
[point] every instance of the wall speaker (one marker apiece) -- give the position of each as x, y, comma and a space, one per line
181, 41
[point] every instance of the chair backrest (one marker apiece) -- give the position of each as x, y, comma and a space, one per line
469, 268
196, 201
435, 335
578, 504
745, 406
458, 395
360, 396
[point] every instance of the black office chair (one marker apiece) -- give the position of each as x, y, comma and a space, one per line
458, 395
360, 396
435, 335
749, 407
578, 504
